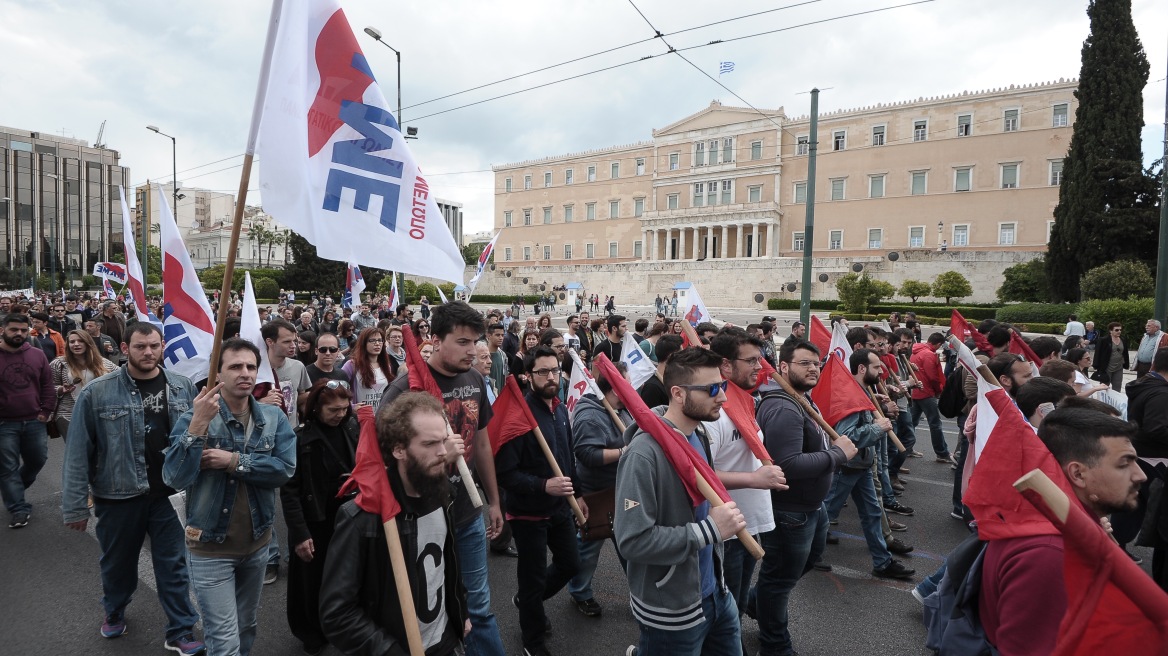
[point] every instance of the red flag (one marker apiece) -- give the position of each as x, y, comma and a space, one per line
1112, 605
838, 394
739, 407
1018, 346
421, 380
369, 477
964, 330
512, 417
686, 462
1011, 450
820, 336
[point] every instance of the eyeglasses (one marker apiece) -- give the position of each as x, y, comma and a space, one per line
754, 362
335, 384
547, 373
807, 364
375, 341
327, 349
711, 389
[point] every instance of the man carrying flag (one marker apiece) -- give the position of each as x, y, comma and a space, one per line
360, 609
809, 459
457, 326
674, 547
736, 463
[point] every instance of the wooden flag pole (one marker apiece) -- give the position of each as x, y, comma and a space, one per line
620, 425
405, 596
907, 364
551, 458
229, 271
807, 407
880, 413
472, 490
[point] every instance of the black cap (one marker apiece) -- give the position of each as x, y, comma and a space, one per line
770, 319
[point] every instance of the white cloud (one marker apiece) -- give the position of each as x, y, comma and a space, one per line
190, 68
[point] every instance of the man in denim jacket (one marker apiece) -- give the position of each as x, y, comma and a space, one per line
230, 455
122, 421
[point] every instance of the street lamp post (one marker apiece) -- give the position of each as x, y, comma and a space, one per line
173, 205
376, 34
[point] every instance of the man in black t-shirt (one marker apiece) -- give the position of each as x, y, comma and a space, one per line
457, 326
653, 392
325, 367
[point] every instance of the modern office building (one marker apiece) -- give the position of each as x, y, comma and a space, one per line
452, 214
971, 171
59, 204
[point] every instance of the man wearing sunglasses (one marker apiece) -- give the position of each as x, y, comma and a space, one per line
809, 459
327, 351
674, 550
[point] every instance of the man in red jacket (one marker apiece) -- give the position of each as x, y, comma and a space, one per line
927, 368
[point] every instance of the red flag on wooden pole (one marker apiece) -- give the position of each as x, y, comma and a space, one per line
373, 492
739, 407
964, 330
838, 394
819, 335
511, 417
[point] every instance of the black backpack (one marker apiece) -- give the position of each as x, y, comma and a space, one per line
951, 613
952, 398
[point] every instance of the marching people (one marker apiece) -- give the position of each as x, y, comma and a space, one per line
72, 372
26, 404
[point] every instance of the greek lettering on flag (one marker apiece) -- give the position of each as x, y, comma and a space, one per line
250, 329
581, 382
725, 67
134, 281
354, 285
335, 167
641, 368
187, 323
110, 271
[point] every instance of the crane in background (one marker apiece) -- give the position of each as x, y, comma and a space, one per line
100, 131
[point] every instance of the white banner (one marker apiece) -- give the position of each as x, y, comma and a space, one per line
134, 282
110, 271
188, 325
641, 368
250, 329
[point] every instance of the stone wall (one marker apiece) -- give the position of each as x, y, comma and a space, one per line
750, 282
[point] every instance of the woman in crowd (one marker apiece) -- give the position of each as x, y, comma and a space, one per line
1111, 357
328, 323
421, 329
306, 347
427, 349
393, 346
345, 337
80, 366
370, 368
545, 322
325, 454
527, 343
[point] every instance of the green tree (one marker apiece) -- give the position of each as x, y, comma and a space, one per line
428, 290
914, 289
1104, 212
1122, 279
471, 253
950, 285
266, 288
212, 278
153, 258
309, 272
857, 292
265, 239
1025, 283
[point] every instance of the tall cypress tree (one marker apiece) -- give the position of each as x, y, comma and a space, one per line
1103, 213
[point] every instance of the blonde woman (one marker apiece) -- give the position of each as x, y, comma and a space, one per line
81, 365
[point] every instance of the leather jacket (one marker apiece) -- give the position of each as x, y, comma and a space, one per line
308, 495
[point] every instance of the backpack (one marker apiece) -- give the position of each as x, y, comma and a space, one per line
951, 613
952, 398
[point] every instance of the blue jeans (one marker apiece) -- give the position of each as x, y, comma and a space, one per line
791, 549
20, 441
928, 407
122, 527
719, 635
737, 569
580, 587
470, 542
858, 483
884, 459
228, 591
931, 582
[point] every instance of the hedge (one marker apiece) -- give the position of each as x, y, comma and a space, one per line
1039, 327
1019, 313
973, 313
1132, 313
530, 299
796, 304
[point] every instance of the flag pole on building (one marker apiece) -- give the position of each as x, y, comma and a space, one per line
241, 197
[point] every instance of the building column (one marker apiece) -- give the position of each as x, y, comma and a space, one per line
681, 243
724, 232
755, 250
773, 242
645, 245
738, 245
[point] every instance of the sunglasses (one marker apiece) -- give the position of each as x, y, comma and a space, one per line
712, 390
327, 349
336, 384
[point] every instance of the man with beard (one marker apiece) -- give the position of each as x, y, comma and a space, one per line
113, 324
130, 502
457, 326
537, 509
105, 345
230, 454
674, 550
855, 479
26, 404
1023, 596
808, 459
360, 612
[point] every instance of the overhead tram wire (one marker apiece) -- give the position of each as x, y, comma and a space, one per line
608, 50
672, 50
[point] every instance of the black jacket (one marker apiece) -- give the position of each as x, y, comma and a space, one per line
522, 469
1103, 354
1147, 406
359, 609
321, 468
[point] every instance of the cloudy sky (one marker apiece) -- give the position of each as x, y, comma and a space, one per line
190, 67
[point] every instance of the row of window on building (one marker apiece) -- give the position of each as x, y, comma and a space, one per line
1007, 236
589, 251
1008, 177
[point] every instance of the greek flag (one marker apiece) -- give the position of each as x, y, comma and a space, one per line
725, 67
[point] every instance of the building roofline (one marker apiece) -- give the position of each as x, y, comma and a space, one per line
1061, 83
584, 153
716, 105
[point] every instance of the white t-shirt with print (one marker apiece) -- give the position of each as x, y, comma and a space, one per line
731, 453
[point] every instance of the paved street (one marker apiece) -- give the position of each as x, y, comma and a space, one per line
50, 591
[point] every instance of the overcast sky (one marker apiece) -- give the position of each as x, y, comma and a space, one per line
190, 67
